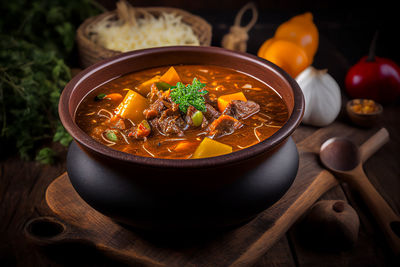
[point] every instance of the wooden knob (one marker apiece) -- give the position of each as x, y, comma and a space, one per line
331, 225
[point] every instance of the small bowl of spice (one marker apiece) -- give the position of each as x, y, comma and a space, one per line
364, 112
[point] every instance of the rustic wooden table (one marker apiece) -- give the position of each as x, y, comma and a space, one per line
22, 187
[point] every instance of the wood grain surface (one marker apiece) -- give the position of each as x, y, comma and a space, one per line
290, 250
241, 246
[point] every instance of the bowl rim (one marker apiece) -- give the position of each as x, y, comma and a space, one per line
253, 151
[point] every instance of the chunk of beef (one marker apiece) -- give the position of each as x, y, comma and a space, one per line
159, 101
168, 103
154, 109
211, 113
224, 125
169, 125
241, 109
188, 117
175, 106
169, 112
154, 94
211, 99
204, 123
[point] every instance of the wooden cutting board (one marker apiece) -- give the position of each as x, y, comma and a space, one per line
240, 246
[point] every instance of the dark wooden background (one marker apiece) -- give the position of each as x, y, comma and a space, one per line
346, 28
348, 24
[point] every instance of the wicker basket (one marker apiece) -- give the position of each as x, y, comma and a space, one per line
90, 52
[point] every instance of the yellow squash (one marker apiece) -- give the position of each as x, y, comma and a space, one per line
211, 148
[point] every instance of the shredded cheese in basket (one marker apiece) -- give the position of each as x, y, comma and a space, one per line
166, 30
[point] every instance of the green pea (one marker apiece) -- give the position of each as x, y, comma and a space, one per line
110, 135
197, 118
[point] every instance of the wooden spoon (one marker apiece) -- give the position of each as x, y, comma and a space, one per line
345, 159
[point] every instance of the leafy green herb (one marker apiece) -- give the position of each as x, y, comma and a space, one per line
62, 136
36, 38
189, 95
46, 156
30, 83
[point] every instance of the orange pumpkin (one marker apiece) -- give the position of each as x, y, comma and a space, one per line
287, 55
302, 31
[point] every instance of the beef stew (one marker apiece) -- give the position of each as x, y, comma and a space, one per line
182, 112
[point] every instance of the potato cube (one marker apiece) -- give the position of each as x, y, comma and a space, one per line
211, 148
132, 107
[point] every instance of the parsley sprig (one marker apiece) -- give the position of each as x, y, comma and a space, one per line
189, 95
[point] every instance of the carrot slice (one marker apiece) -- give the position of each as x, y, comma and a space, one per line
171, 76
183, 145
114, 97
224, 100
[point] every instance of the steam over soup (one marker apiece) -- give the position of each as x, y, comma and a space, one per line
182, 112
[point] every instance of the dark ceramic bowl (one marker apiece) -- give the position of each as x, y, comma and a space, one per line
151, 193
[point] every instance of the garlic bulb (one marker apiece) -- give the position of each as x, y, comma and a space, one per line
322, 96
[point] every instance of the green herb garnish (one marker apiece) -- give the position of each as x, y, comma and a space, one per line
189, 95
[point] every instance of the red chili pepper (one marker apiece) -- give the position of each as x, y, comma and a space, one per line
374, 78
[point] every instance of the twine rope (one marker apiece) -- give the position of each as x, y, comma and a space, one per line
237, 37
128, 14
